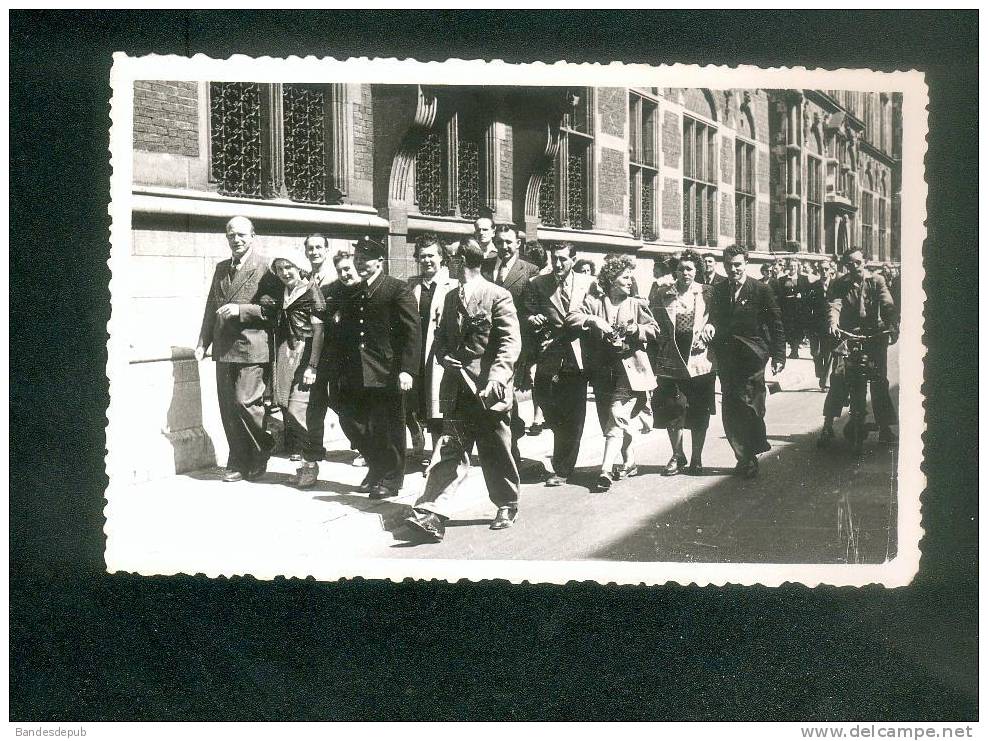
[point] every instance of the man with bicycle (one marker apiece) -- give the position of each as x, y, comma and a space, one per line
860, 304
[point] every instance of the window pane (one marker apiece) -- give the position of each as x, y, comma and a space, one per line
648, 133
648, 205
305, 143
688, 213
712, 160
632, 201
468, 177
235, 137
711, 202
547, 198
430, 175
701, 216
634, 112
688, 147
576, 181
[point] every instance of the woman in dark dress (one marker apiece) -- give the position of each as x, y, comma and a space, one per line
684, 368
298, 338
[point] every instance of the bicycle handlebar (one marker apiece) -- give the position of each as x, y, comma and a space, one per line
852, 336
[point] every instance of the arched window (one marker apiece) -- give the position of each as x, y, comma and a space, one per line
452, 164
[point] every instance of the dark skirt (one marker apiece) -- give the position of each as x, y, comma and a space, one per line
684, 402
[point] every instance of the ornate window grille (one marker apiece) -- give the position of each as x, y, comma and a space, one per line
699, 183
235, 137
643, 169
570, 177
269, 140
430, 175
468, 175
744, 193
305, 143
454, 167
548, 213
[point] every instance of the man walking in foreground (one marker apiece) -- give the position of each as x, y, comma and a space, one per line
237, 327
748, 331
478, 343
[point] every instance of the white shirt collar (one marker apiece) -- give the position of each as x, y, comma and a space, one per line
371, 281
507, 265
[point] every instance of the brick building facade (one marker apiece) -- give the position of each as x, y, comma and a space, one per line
642, 171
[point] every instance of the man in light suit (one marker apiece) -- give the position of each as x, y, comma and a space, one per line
478, 343
377, 345
429, 288
560, 380
237, 327
747, 332
514, 274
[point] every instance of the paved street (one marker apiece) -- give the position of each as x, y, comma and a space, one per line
806, 506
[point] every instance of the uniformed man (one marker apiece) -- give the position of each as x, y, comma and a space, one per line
378, 356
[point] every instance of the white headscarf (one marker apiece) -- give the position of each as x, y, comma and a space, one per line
295, 256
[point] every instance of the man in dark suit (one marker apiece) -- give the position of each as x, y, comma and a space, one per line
794, 288
237, 327
513, 273
560, 380
377, 341
710, 274
478, 342
748, 330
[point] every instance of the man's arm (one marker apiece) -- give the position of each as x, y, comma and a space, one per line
405, 323
888, 311
772, 317
208, 322
262, 310
505, 335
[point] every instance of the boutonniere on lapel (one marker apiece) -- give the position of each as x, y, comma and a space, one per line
477, 322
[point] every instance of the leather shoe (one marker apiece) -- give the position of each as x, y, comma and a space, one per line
429, 524
367, 485
504, 518
750, 469
603, 483
674, 465
695, 468
555, 480
826, 437
307, 476
535, 430
383, 491
255, 473
885, 435
232, 476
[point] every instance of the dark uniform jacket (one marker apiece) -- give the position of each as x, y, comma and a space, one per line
747, 331
818, 308
244, 338
373, 333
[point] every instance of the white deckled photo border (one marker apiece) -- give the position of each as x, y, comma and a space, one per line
911, 481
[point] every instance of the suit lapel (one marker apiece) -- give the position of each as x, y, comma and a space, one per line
246, 271
555, 299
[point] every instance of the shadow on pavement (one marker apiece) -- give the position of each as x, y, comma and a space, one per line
838, 509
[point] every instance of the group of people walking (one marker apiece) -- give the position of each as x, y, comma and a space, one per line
445, 354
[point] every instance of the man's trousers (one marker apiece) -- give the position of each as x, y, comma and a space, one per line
240, 392
470, 423
375, 422
564, 403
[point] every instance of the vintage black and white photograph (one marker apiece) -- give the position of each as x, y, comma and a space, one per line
478, 320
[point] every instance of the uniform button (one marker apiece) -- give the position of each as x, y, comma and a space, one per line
361, 321
361, 345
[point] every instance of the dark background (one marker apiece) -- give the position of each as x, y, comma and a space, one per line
88, 646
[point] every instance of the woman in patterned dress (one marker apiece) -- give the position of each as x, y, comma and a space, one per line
684, 368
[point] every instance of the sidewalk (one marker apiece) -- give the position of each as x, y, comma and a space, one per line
195, 523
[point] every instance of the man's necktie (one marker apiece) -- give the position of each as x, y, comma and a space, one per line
564, 295
234, 265
500, 275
